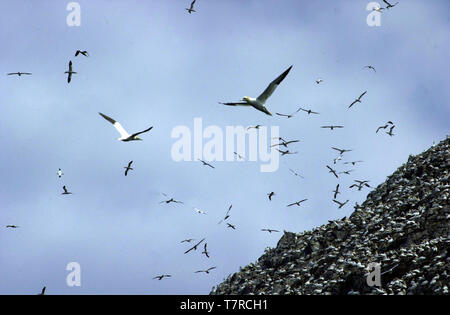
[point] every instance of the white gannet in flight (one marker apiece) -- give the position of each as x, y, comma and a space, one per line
191, 8
389, 5
19, 73
60, 173
70, 72
358, 100
258, 103
199, 211
124, 135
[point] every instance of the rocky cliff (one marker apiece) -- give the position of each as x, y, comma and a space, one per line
403, 225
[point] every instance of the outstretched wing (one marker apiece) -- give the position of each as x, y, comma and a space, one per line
235, 104
117, 125
272, 86
138, 133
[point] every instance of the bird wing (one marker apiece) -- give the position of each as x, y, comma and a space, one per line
129, 163
211, 268
117, 125
272, 86
282, 115
69, 77
12, 73
235, 104
362, 95
137, 133
352, 104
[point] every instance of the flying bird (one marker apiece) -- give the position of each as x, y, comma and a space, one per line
370, 67
346, 172
332, 171
124, 135
337, 159
285, 143
296, 203
259, 102
341, 151
353, 162
206, 271
231, 226
271, 194
206, 164
286, 152
295, 173
170, 200
336, 191
269, 230
60, 173
83, 52
289, 115
390, 131
194, 247
332, 127
70, 72
205, 251
341, 204
318, 81
227, 215
199, 211
191, 8
161, 277
254, 127
360, 184
389, 5
385, 126
19, 73
188, 240
309, 111
12, 226
358, 100
66, 192
128, 168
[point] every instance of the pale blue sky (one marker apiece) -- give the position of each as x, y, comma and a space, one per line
151, 63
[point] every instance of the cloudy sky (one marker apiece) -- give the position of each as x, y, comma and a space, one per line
153, 64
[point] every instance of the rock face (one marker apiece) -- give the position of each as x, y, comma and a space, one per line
403, 225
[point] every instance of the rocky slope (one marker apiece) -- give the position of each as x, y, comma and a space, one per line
403, 225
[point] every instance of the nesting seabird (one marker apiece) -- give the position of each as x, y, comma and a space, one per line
259, 102
125, 136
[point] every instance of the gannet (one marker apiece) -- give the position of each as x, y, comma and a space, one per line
188, 240
370, 67
12, 226
125, 136
390, 131
207, 270
128, 168
231, 226
227, 215
353, 162
191, 8
70, 72
19, 73
389, 5
285, 143
332, 127
318, 81
259, 102
336, 191
194, 247
341, 151
286, 152
271, 194
170, 200
332, 171
206, 164
205, 251
296, 203
199, 211
60, 173
346, 173
295, 173
66, 192
161, 277
341, 204
83, 52
289, 115
308, 111
269, 230
358, 100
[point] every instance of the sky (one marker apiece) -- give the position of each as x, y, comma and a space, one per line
152, 64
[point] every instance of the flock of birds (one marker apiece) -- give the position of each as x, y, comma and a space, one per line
258, 103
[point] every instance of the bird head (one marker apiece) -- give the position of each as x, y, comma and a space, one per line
137, 138
246, 98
